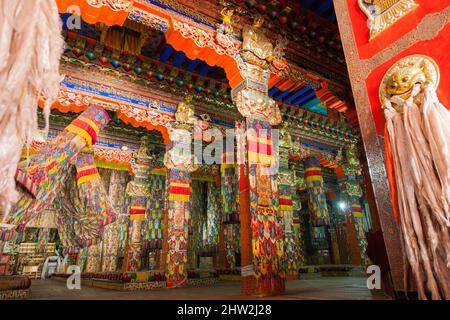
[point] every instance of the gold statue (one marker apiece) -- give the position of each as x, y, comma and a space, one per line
256, 42
285, 136
353, 160
185, 114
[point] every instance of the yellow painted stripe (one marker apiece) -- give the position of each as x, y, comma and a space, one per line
178, 184
137, 217
88, 178
179, 197
88, 167
92, 124
259, 140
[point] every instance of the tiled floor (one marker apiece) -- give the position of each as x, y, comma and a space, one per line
342, 288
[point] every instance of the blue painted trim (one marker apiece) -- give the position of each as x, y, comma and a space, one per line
304, 98
179, 59
167, 52
300, 92
193, 64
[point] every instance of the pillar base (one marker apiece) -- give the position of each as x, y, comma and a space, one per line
176, 282
293, 277
263, 287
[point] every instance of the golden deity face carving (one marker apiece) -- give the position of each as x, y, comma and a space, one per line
407, 72
403, 80
383, 13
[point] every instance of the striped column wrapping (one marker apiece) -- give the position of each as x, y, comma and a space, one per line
317, 199
229, 188
93, 196
291, 249
357, 215
178, 226
266, 216
84, 208
155, 216
45, 172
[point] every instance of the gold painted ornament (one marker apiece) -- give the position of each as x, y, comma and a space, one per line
382, 14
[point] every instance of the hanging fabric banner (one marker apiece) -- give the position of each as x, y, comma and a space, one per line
45, 173
317, 199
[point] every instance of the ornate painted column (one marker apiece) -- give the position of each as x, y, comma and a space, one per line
261, 218
353, 192
180, 165
230, 209
138, 190
317, 201
286, 184
296, 226
213, 216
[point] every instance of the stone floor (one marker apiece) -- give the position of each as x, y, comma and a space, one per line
326, 288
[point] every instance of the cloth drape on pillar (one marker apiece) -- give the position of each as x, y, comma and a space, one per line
84, 208
317, 199
178, 226
139, 191
44, 175
180, 164
266, 218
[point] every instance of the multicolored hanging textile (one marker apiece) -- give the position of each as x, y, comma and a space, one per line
357, 214
43, 240
113, 239
155, 213
110, 247
213, 216
93, 197
229, 190
197, 242
45, 172
84, 209
317, 199
260, 148
291, 247
7, 235
232, 241
93, 262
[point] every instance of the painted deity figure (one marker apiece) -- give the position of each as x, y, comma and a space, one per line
285, 136
227, 21
279, 61
352, 159
185, 113
256, 42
